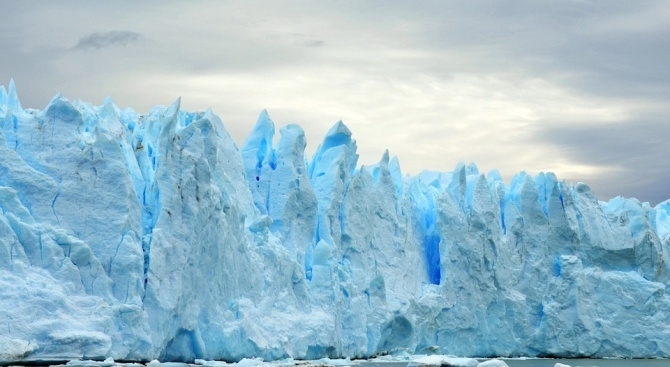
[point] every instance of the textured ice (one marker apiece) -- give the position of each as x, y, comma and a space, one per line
140, 237
493, 363
109, 362
440, 360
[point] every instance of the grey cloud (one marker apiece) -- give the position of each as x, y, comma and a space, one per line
583, 46
313, 43
638, 149
102, 40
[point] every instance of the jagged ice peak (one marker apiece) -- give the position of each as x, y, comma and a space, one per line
153, 236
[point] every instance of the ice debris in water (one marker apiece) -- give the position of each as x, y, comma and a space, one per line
440, 360
413, 361
493, 363
142, 237
109, 362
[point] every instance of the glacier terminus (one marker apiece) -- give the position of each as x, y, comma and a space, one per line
140, 237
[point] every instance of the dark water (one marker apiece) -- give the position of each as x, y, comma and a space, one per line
589, 362
552, 362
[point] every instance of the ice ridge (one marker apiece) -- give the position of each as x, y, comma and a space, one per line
153, 236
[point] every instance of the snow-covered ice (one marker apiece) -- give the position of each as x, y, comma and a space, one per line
140, 237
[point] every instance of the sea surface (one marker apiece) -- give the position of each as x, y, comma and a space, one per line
548, 362
588, 362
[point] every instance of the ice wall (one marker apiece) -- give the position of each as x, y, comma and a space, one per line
153, 236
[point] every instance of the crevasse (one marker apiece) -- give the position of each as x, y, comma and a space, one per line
153, 236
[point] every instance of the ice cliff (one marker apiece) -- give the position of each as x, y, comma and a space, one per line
153, 236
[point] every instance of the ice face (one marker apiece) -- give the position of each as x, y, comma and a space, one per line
143, 237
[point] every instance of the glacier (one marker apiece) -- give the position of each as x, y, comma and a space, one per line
153, 236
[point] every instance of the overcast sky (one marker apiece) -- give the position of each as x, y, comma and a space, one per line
580, 88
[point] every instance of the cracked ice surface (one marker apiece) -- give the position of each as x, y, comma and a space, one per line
141, 237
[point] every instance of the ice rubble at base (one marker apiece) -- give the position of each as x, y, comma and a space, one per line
408, 360
141, 237
389, 360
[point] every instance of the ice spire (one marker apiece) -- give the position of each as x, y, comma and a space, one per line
13, 98
338, 135
259, 160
